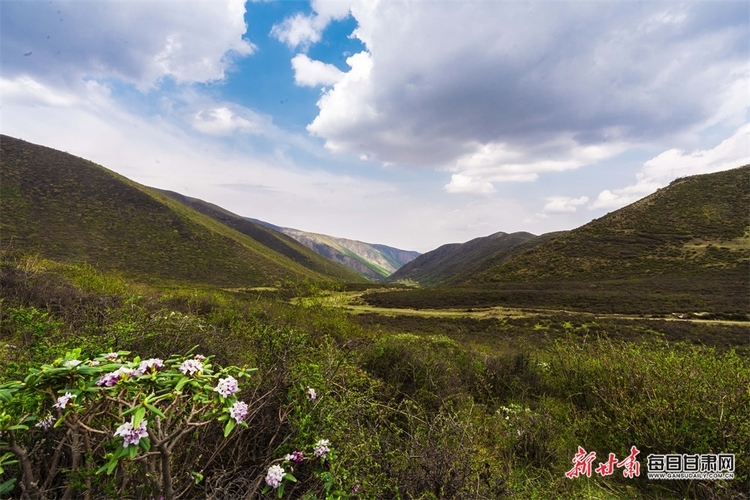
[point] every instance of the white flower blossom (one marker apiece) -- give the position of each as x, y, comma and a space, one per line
72, 362
131, 435
46, 423
63, 400
238, 411
274, 476
311, 394
227, 386
322, 448
191, 367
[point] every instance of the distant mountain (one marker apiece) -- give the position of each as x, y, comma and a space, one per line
65, 208
456, 262
269, 237
373, 261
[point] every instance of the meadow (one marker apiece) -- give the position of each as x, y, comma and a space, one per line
410, 406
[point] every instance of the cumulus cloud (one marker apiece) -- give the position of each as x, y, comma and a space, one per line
462, 183
310, 73
139, 42
561, 204
661, 170
501, 91
222, 121
302, 30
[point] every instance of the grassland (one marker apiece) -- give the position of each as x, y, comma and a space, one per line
416, 407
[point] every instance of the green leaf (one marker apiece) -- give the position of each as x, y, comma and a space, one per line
156, 410
230, 425
7, 486
132, 451
18, 427
181, 383
145, 443
138, 417
290, 477
111, 467
280, 491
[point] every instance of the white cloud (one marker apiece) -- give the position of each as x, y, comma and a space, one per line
463, 86
558, 204
461, 183
661, 170
302, 30
222, 121
139, 42
310, 73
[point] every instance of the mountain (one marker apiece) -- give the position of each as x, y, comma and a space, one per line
69, 209
682, 250
696, 225
373, 261
268, 237
454, 262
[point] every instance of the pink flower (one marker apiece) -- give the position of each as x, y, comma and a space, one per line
63, 400
149, 366
114, 377
46, 423
200, 357
131, 435
191, 367
227, 386
238, 411
295, 456
112, 356
274, 476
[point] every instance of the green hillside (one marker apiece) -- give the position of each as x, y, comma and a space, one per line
274, 240
683, 250
691, 228
69, 209
454, 263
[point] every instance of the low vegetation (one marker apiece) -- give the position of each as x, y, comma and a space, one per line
396, 410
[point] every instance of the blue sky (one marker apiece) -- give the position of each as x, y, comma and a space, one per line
406, 123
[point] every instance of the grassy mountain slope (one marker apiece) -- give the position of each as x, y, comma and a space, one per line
694, 226
268, 237
684, 249
451, 262
69, 209
373, 261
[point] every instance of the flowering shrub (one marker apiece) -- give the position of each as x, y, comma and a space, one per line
153, 404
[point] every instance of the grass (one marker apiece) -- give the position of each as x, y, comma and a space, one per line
415, 407
71, 210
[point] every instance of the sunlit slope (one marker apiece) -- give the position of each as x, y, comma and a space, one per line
270, 238
697, 227
69, 209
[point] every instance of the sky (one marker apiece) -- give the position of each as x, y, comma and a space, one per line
405, 123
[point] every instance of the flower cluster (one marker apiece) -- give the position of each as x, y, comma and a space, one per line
295, 456
46, 423
112, 356
131, 435
227, 386
63, 400
238, 411
274, 476
112, 378
322, 448
72, 362
200, 357
311, 394
191, 366
149, 366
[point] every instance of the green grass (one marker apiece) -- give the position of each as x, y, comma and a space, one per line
68, 209
415, 407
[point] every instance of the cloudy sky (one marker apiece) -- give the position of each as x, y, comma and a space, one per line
407, 123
